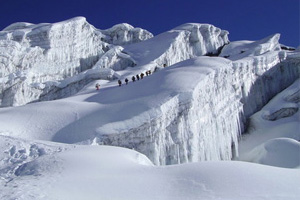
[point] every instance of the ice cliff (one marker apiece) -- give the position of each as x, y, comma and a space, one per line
35, 59
195, 109
181, 43
205, 122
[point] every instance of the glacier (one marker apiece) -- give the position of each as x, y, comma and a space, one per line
205, 122
195, 109
34, 59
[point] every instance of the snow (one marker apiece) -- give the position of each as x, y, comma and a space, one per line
122, 34
54, 52
275, 140
194, 109
241, 49
93, 172
181, 43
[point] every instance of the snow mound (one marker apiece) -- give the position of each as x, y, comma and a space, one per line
93, 172
279, 152
18, 25
17, 154
122, 34
241, 49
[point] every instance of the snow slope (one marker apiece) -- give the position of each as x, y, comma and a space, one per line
274, 132
103, 172
36, 59
185, 113
189, 112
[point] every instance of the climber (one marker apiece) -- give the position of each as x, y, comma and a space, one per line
97, 86
133, 78
120, 82
126, 81
137, 77
142, 75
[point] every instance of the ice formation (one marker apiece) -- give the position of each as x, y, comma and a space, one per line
181, 43
17, 153
205, 123
34, 59
275, 131
123, 34
193, 110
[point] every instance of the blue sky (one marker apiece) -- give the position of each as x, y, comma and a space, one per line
244, 19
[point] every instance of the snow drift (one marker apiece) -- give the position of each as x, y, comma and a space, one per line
93, 172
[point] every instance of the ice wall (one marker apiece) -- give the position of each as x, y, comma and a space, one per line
181, 43
205, 124
32, 56
192, 126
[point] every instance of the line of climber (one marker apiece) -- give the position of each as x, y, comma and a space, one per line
133, 78
136, 77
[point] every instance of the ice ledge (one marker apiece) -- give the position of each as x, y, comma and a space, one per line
207, 124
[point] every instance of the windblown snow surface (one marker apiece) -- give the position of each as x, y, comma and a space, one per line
197, 108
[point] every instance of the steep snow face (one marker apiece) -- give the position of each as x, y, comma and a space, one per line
115, 59
45, 52
33, 56
184, 42
192, 124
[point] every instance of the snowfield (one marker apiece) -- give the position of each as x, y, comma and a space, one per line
102, 172
60, 138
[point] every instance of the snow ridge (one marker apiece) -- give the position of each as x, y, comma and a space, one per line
182, 43
122, 34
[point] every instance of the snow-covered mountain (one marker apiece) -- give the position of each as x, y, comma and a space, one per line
50, 61
35, 58
194, 106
